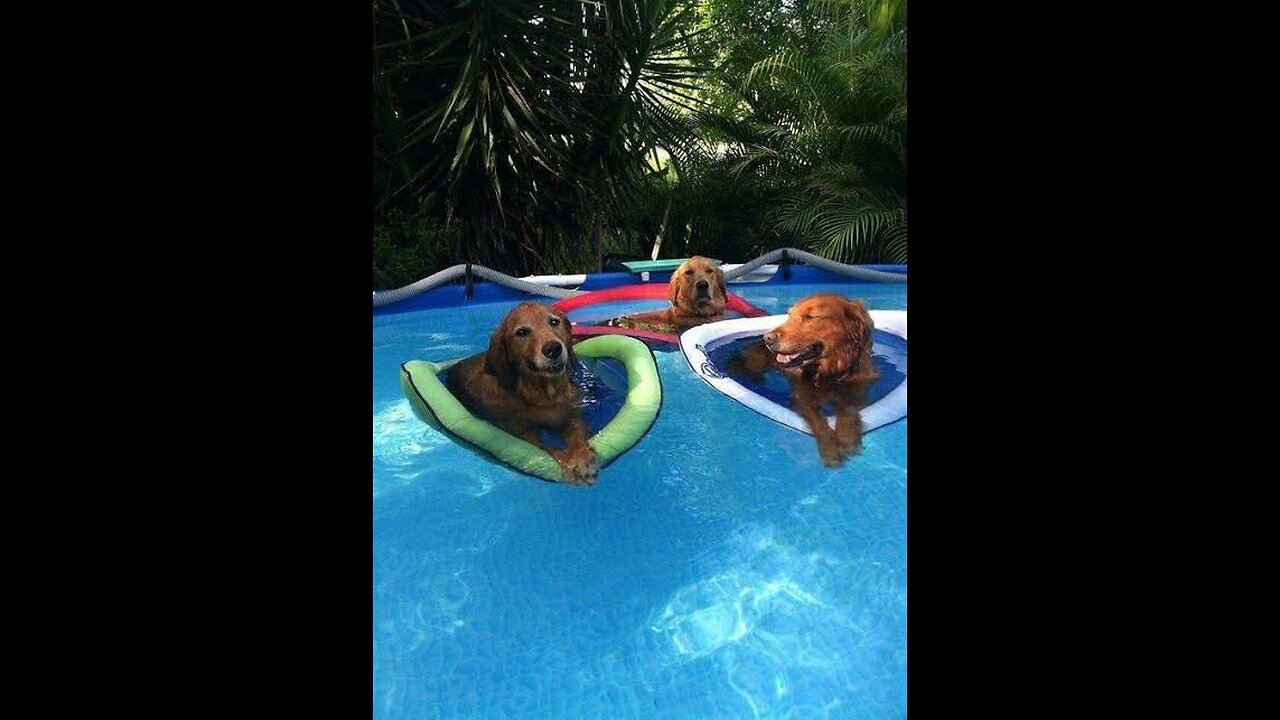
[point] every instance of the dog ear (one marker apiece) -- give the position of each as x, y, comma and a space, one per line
720, 283
861, 322
677, 283
497, 359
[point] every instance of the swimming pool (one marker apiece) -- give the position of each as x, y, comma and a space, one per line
716, 570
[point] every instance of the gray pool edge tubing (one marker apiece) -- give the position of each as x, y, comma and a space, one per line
435, 405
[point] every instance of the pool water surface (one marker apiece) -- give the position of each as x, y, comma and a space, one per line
717, 569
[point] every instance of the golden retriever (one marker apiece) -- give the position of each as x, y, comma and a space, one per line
697, 295
521, 383
824, 349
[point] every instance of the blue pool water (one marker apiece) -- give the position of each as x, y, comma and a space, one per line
602, 390
717, 570
889, 353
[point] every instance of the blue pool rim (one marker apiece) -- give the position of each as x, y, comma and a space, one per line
455, 294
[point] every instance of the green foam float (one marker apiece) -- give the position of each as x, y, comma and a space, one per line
434, 404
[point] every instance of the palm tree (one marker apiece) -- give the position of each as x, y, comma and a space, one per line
526, 123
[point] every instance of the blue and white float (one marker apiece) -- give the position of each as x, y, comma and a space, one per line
707, 348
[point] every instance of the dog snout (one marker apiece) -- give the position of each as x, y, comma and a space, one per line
552, 349
702, 287
771, 338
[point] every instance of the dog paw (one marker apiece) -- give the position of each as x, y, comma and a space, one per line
831, 456
580, 468
849, 441
851, 447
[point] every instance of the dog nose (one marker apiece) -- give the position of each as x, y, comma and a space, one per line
703, 285
771, 338
552, 349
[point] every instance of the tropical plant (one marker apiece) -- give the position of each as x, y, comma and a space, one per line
527, 125
822, 136
539, 135
407, 246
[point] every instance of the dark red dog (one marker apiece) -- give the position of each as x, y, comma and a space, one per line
824, 349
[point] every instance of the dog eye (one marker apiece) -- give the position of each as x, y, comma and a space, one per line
554, 321
689, 271
522, 332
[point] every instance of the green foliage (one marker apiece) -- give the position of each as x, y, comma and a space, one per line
529, 121
820, 136
535, 136
408, 248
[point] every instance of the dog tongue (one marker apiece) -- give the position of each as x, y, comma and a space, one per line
783, 358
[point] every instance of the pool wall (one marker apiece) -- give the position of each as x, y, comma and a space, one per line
455, 294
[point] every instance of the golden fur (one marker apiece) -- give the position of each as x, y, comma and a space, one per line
697, 295
824, 349
522, 383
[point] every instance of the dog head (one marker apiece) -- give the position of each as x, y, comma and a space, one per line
825, 332
532, 340
697, 288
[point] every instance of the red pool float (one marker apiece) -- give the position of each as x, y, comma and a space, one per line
642, 291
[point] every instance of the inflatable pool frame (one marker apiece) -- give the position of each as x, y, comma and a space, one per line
697, 344
435, 405
640, 291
